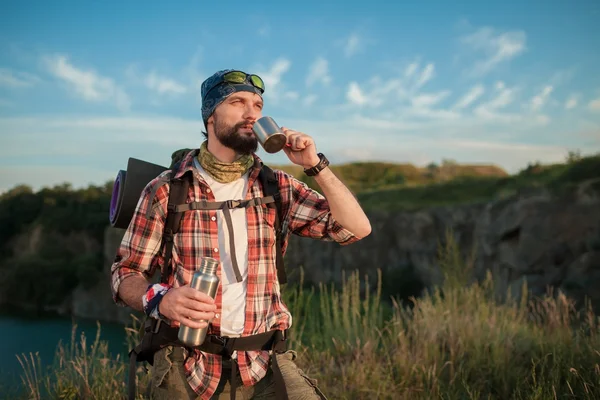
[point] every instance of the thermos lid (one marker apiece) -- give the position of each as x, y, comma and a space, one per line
209, 265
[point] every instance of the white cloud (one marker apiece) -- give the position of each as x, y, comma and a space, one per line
411, 69
275, 87
426, 75
433, 114
498, 47
352, 45
16, 79
383, 124
494, 112
399, 98
87, 84
594, 105
571, 102
430, 99
318, 72
473, 94
562, 77
538, 101
355, 94
163, 85
272, 77
394, 90
382, 89
504, 98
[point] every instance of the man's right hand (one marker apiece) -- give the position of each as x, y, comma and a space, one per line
188, 306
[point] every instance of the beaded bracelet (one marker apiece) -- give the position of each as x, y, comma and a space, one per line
152, 298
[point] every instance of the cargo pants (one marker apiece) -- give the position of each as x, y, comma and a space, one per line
168, 380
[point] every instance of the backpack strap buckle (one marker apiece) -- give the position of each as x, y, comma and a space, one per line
231, 204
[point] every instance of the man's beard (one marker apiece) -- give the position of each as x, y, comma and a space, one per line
238, 142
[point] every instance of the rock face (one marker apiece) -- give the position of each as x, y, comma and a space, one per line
543, 238
97, 303
547, 240
550, 241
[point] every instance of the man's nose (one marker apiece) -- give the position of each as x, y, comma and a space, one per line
252, 113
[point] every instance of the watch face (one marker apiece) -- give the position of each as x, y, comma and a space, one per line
324, 161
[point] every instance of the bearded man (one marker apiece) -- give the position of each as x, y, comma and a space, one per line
248, 303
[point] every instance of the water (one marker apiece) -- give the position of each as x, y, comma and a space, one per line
24, 335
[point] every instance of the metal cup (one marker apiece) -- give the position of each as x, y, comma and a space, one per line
269, 135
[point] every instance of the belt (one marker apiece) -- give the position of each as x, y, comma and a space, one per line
159, 335
275, 340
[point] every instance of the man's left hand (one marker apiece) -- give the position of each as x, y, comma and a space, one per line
300, 148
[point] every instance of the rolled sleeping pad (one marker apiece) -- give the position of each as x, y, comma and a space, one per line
127, 189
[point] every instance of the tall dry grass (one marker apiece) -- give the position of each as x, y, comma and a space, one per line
458, 341
80, 370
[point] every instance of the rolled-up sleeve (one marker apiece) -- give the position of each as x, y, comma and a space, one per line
310, 215
142, 239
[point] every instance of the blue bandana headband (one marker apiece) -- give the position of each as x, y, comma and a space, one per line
215, 90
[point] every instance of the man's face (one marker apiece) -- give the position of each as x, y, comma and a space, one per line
233, 119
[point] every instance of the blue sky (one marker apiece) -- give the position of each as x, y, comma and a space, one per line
84, 86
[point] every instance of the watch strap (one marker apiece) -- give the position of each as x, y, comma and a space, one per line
323, 163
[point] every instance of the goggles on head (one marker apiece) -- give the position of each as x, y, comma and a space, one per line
237, 77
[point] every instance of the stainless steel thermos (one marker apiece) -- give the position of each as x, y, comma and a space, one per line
206, 281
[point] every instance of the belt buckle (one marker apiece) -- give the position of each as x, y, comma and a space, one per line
220, 340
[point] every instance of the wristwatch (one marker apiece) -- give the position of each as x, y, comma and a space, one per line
319, 167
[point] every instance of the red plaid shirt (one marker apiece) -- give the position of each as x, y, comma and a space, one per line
305, 213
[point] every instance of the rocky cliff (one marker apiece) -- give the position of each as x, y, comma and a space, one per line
97, 302
549, 239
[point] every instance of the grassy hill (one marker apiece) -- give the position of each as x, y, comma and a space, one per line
467, 189
388, 186
368, 176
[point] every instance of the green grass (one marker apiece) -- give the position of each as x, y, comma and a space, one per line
369, 176
476, 189
458, 341
80, 370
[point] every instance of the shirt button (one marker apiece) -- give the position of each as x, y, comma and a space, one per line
217, 315
213, 219
216, 250
207, 190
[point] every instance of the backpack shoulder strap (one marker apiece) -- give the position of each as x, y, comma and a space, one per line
270, 186
178, 190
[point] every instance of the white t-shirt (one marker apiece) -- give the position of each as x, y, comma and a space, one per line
234, 293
